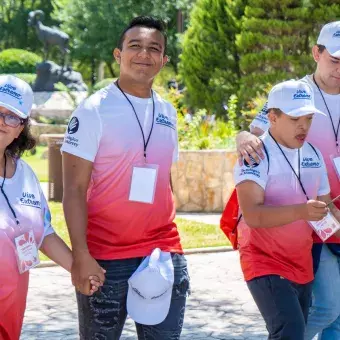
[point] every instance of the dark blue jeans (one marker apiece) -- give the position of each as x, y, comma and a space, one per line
283, 304
102, 316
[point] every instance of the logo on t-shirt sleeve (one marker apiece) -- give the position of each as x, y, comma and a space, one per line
253, 163
73, 126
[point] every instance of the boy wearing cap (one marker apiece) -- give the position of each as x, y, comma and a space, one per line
277, 197
118, 203
324, 316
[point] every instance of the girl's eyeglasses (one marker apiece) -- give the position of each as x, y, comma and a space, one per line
11, 120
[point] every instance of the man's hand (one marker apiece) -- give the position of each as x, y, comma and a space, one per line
83, 267
314, 210
248, 145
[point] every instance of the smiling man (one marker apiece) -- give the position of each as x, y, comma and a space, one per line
118, 203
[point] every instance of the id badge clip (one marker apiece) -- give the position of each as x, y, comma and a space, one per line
336, 164
26, 251
143, 183
326, 227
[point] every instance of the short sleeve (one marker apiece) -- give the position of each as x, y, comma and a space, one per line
84, 131
324, 187
257, 173
261, 120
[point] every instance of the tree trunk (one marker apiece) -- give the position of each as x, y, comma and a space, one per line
109, 65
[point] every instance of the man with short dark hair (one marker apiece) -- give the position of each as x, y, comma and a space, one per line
118, 203
324, 317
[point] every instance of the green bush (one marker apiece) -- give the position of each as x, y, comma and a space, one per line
103, 83
27, 77
18, 61
202, 132
167, 73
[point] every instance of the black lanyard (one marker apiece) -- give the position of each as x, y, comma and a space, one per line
6, 198
336, 132
140, 125
298, 176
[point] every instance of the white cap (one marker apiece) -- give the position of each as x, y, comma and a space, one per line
330, 38
16, 95
293, 97
150, 289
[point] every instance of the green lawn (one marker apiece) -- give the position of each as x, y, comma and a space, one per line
39, 165
193, 234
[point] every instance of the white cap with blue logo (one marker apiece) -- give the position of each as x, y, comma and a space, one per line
293, 97
16, 95
330, 38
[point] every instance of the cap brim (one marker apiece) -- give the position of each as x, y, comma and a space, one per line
14, 110
304, 111
147, 312
333, 51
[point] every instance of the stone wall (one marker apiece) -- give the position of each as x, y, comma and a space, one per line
203, 180
56, 104
39, 129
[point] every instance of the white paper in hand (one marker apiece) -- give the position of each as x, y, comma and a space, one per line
326, 227
143, 183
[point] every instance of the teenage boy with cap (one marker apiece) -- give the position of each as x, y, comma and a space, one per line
118, 203
324, 315
277, 197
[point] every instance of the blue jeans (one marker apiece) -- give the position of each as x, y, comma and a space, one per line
102, 316
283, 305
324, 316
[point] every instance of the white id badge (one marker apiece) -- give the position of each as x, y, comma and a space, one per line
143, 183
326, 227
26, 251
336, 164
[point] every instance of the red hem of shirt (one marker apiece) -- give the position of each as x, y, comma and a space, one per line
129, 255
288, 277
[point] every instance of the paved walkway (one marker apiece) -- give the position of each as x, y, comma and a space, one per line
220, 306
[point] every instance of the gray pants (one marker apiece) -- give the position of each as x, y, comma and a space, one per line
283, 304
102, 316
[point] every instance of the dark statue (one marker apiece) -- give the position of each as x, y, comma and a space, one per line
48, 72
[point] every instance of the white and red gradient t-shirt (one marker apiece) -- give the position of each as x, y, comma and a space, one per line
321, 135
282, 250
104, 130
28, 201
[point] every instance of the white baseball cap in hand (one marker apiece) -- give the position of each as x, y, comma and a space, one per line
330, 38
293, 97
150, 289
16, 95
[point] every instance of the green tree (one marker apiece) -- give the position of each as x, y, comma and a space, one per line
209, 60
95, 25
273, 44
324, 11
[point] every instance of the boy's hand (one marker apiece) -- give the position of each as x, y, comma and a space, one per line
314, 210
95, 284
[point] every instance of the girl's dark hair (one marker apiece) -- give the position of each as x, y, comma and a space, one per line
23, 143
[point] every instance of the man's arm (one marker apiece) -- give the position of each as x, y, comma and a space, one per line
258, 215
76, 177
